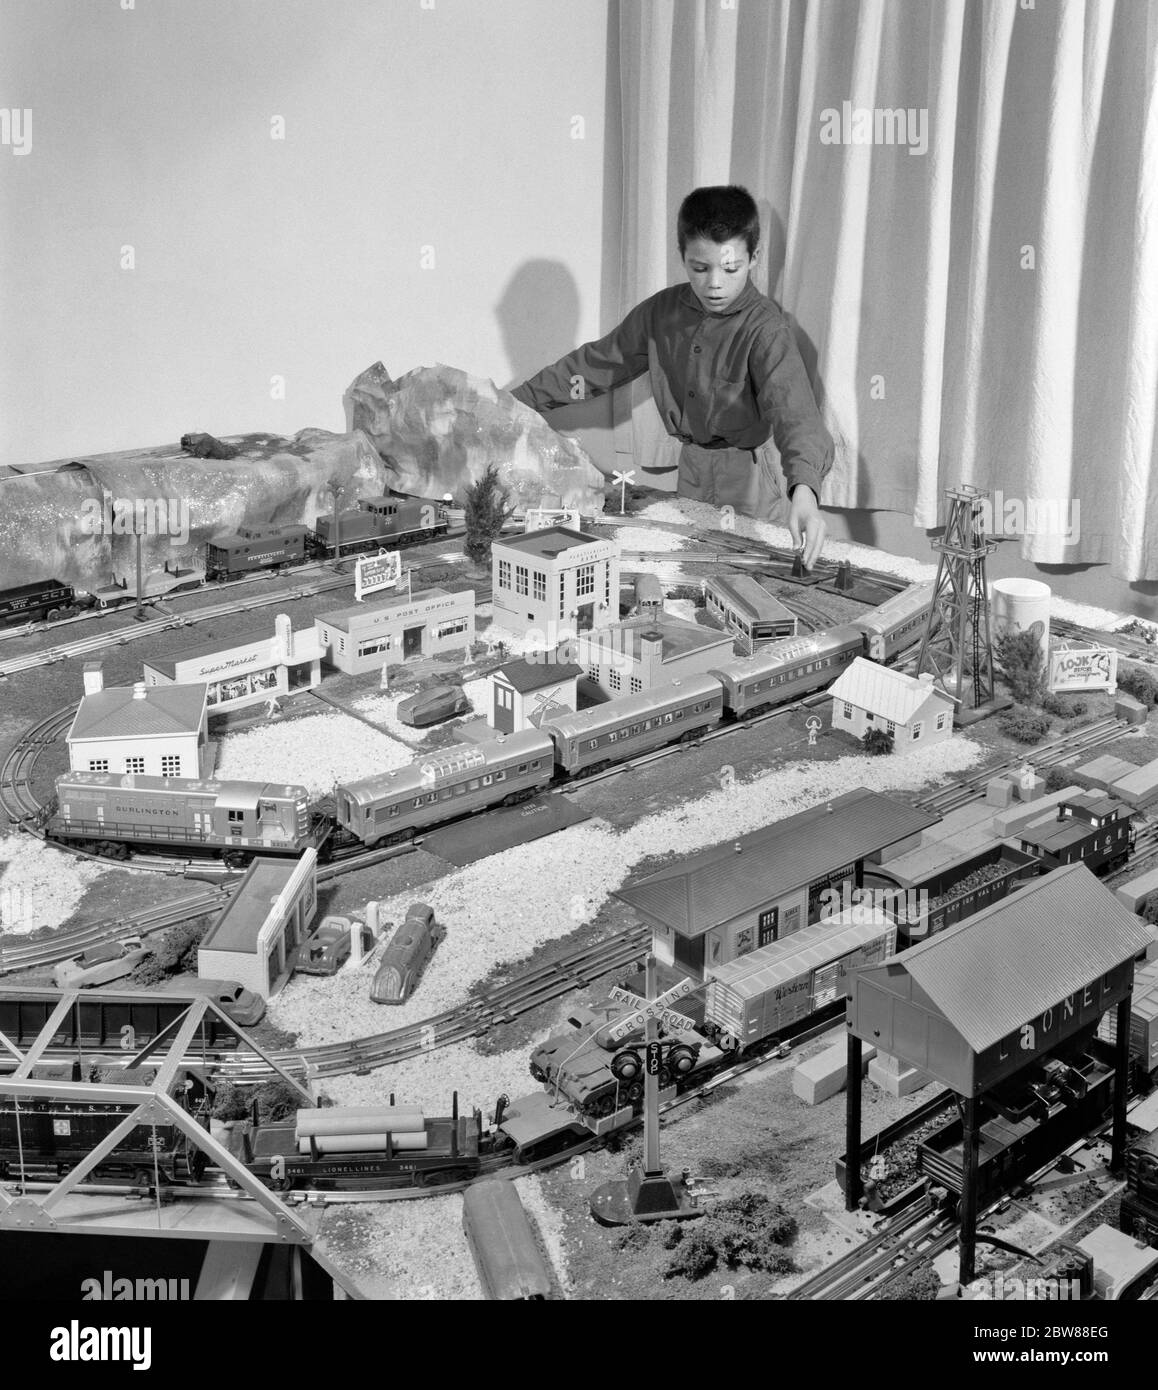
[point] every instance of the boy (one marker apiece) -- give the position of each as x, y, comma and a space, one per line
725, 373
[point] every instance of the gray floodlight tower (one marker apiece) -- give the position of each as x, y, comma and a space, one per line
956, 646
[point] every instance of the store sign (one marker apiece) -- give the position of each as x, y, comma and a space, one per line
374, 572
1083, 668
539, 518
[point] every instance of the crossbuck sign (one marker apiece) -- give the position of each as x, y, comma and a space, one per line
656, 1008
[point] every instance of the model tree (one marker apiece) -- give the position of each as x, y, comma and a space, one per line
1019, 656
485, 503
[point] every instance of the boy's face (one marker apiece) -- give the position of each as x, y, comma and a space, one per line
718, 271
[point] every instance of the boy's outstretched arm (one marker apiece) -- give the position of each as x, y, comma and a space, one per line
784, 395
592, 369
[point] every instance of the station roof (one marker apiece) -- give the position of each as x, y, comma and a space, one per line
118, 712
167, 666
717, 885
991, 972
677, 637
340, 617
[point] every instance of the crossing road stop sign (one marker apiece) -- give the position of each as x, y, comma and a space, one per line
654, 1058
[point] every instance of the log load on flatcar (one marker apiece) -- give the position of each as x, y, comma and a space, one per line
109, 812
368, 1147
45, 600
41, 1139
232, 554
381, 521
443, 786
1089, 827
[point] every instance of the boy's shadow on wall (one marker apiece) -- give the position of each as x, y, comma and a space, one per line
538, 317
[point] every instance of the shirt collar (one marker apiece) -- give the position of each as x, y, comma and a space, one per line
744, 300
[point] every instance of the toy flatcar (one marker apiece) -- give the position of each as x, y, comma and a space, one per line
109, 813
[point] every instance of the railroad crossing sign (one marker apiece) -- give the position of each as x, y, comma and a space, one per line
623, 479
654, 1008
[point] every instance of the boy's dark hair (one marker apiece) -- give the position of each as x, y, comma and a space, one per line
718, 214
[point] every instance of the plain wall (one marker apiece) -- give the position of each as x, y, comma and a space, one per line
409, 124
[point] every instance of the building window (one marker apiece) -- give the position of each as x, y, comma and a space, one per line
613, 678
847, 710
98, 765
917, 727
448, 629
584, 581
540, 586
134, 764
562, 596
506, 698
942, 720
235, 817
171, 765
607, 585
504, 574
890, 727
593, 674
374, 646
636, 685
521, 580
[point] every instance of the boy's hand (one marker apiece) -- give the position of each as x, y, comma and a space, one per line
805, 524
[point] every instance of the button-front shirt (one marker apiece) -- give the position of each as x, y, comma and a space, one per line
719, 380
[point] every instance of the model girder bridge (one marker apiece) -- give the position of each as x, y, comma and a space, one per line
63, 1209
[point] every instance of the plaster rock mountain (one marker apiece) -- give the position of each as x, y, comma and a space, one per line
64, 524
437, 428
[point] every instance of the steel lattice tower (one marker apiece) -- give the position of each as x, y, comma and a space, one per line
956, 646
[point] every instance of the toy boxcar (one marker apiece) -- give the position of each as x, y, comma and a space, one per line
106, 809
759, 995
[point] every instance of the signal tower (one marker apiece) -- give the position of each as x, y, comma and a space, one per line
956, 646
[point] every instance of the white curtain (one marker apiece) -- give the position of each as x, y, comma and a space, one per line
976, 304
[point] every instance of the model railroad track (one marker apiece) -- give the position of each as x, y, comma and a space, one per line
501, 1005
1051, 754
17, 798
846, 1275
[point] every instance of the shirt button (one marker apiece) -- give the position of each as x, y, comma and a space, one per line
691, 394
697, 348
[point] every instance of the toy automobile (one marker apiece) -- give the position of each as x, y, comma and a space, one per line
327, 948
434, 705
100, 964
407, 955
243, 1006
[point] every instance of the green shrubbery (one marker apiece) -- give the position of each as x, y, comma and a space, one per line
1137, 681
276, 1100
1019, 656
876, 742
748, 1232
1063, 706
174, 955
1024, 725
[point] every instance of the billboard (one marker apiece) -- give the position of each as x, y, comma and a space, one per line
1082, 668
375, 572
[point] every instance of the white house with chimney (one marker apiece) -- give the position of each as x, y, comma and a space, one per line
867, 696
162, 732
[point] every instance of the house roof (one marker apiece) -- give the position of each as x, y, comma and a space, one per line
340, 617
884, 692
719, 884
990, 973
161, 709
526, 676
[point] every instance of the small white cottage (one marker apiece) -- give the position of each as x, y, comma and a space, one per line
867, 696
